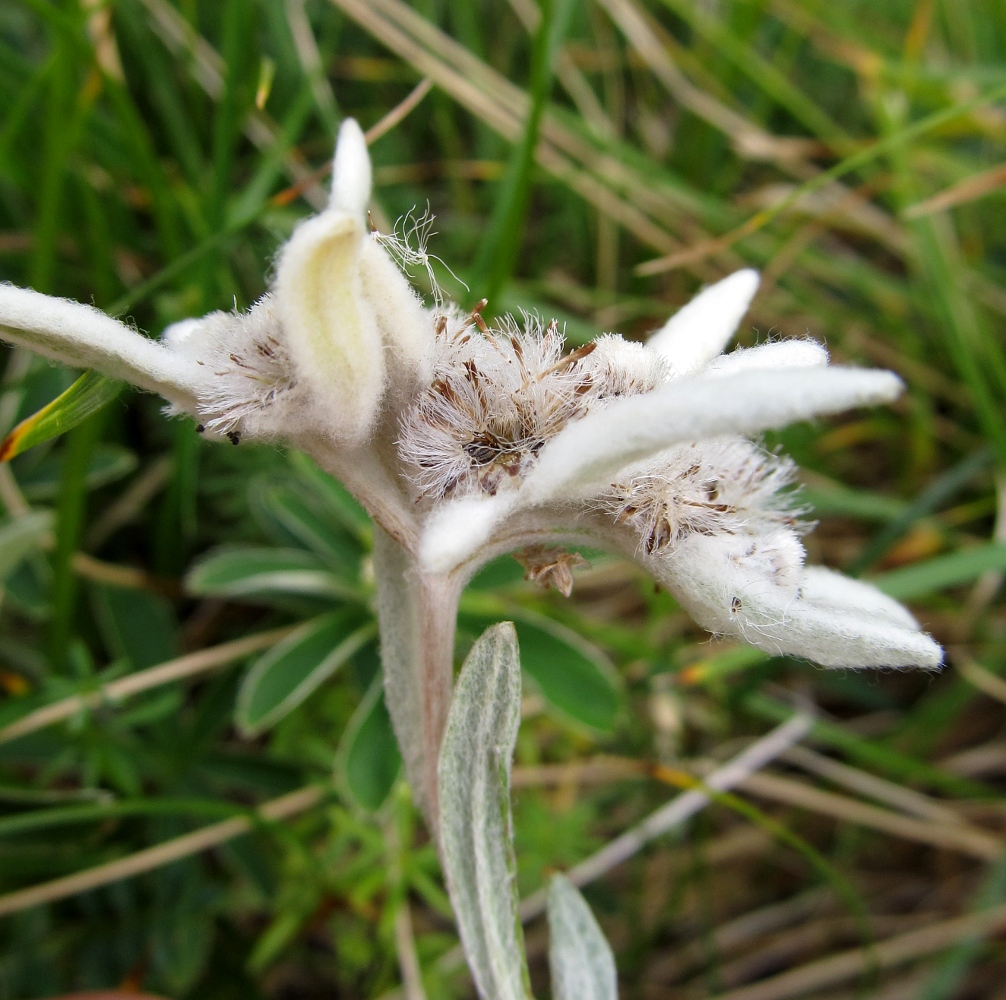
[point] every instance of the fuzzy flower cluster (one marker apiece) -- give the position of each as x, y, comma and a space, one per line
499, 395
465, 441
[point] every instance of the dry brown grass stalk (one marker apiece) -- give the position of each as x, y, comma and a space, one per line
182, 668
158, 856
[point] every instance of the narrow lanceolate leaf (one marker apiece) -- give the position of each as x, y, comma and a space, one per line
583, 967
254, 572
309, 524
86, 396
369, 753
475, 823
572, 673
281, 679
20, 537
952, 570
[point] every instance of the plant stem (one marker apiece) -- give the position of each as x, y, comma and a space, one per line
417, 615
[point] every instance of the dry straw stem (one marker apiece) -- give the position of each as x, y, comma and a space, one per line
83, 564
890, 793
675, 812
975, 674
405, 939
130, 502
384, 125
163, 854
596, 771
966, 191
949, 836
606, 181
400, 112
846, 965
408, 960
749, 140
117, 576
569, 75
737, 934
602, 770
503, 107
653, 214
310, 58
178, 669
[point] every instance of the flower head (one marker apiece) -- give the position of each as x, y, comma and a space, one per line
465, 441
645, 450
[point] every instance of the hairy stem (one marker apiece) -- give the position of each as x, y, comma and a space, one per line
417, 616
439, 596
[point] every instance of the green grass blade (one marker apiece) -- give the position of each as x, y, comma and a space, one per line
925, 578
498, 252
90, 393
927, 502
898, 766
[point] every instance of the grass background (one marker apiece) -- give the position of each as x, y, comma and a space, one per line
153, 156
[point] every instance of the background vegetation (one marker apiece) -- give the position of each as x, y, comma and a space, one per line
153, 155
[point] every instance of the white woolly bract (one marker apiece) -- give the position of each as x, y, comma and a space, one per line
80, 336
701, 328
728, 484
794, 353
828, 589
591, 453
248, 370
753, 588
351, 171
329, 322
499, 395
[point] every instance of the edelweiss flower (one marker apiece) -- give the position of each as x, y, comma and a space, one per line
465, 442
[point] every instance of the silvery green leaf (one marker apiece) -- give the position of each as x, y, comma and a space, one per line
583, 967
572, 673
476, 829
